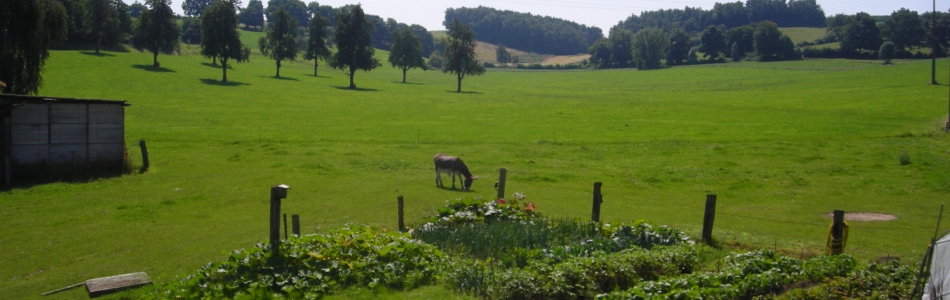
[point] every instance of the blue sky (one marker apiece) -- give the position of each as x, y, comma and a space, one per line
599, 13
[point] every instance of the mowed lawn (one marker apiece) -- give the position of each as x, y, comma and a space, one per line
781, 144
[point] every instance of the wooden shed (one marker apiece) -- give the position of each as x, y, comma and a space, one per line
43, 138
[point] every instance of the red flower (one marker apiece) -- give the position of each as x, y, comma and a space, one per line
529, 206
501, 200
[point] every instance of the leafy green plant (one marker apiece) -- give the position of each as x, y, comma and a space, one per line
746, 275
315, 265
890, 280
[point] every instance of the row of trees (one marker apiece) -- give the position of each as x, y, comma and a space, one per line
794, 13
98, 23
862, 36
652, 47
525, 31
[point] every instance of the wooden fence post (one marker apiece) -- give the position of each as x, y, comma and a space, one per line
295, 224
144, 155
598, 198
285, 227
399, 203
708, 218
277, 192
501, 182
837, 229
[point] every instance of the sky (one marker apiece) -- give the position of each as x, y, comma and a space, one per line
598, 13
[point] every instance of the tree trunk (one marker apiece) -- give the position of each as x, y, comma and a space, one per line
278, 69
214, 60
155, 58
352, 85
314, 68
404, 75
459, 90
224, 70
98, 43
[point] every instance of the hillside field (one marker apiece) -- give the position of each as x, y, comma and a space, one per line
781, 144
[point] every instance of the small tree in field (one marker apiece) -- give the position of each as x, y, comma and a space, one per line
460, 53
887, 51
354, 38
158, 30
220, 36
502, 55
281, 41
316, 43
406, 52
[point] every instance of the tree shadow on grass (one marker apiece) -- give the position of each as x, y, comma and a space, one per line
93, 53
318, 76
358, 89
465, 92
151, 68
281, 78
210, 81
207, 64
412, 83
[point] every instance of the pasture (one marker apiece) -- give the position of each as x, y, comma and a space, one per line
780, 143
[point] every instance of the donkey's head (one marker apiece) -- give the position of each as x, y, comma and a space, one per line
468, 183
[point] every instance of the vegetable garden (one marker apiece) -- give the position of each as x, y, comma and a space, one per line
507, 250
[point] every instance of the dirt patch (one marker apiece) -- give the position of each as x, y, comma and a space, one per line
863, 217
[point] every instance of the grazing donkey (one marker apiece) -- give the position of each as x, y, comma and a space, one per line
454, 166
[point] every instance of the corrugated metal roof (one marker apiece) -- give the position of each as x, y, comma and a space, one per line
6, 99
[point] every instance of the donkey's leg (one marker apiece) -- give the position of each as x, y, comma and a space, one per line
438, 177
453, 181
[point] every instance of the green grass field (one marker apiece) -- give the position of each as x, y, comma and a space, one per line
780, 143
803, 34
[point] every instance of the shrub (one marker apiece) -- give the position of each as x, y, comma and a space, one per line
315, 265
891, 280
904, 158
745, 276
887, 52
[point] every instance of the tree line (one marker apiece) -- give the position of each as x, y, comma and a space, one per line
794, 13
525, 31
29, 28
864, 36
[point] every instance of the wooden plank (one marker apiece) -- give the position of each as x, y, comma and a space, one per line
68, 133
28, 154
29, 134
105, 151
68, 113
106, 133
101, 286
106, 114
29, 114
67, 153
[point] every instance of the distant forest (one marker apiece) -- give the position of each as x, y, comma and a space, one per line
794, 13
524, 31
534, 33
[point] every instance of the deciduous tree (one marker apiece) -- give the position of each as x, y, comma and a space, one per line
296, 8
600, 53
460, 53
887, 51
100, 16
767, 38
678, 48
194, 8
253, 15
406, 52
502, 55
621, 48
354, 38
27, 29
317, 41
649, 48
861, 34
221, 37
281, 41
157, 30
905, 29
713, 42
